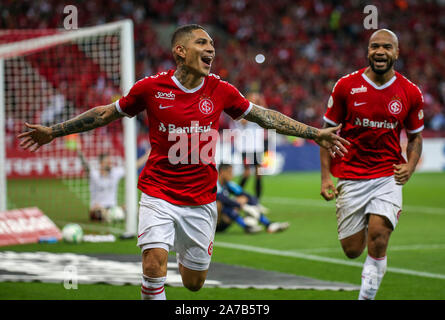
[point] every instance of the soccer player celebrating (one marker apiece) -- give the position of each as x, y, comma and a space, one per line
178, 204
373, 105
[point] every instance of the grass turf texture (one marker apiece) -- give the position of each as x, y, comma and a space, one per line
417, 244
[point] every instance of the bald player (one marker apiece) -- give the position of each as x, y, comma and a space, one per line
178, 209
373, 104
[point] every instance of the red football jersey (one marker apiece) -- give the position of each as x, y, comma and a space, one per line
180, 117
373, 117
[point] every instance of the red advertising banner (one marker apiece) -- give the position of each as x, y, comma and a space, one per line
60, 158
25, 225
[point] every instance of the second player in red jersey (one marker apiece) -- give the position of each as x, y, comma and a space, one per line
373, 117
374, 105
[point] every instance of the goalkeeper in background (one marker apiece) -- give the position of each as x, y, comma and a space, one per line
231, 199
104, 185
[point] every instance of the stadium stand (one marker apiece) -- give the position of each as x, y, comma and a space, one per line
307, 45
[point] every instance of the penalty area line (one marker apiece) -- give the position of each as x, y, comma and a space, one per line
312, 257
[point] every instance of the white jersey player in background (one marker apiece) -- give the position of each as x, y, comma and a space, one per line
104, 186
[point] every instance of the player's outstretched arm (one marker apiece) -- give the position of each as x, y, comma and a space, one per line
402, 172
89, 120
271, 119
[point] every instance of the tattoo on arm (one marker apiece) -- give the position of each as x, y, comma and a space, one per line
271, 119
91, 119
414, 148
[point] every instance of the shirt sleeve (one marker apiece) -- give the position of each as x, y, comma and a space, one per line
236, 105
234, 188
119, 172
414, 120
336, 105
133, 103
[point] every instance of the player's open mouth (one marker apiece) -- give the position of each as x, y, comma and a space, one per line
380, 62
207, 60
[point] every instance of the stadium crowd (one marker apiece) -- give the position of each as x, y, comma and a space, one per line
307, 44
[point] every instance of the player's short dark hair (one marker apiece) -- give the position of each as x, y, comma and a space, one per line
224, 166
183, 31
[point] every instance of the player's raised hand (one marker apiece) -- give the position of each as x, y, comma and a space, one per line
36, 137
328, 190
329, 140
402, 173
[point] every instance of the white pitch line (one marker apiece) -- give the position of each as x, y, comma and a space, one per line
311, 257
390, 248
323, 204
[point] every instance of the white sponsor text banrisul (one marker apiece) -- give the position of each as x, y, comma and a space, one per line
194, 128
375, 124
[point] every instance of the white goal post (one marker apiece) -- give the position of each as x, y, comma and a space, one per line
90, 46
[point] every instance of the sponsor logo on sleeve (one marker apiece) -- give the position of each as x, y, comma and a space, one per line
420, 114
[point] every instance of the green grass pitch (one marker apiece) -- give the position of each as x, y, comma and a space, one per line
416, 255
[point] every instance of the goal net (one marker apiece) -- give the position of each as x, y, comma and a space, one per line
49, 76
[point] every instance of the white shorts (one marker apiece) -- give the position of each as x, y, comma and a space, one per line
358, 198
188, 230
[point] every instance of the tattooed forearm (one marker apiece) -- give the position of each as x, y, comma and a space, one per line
91, 119
414, 148
88, 120
270, 119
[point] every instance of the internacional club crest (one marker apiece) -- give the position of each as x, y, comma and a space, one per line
206, 106
395, 107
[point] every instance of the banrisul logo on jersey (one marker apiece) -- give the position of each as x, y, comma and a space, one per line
162, 127
193, 128
367, 123
199, 143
